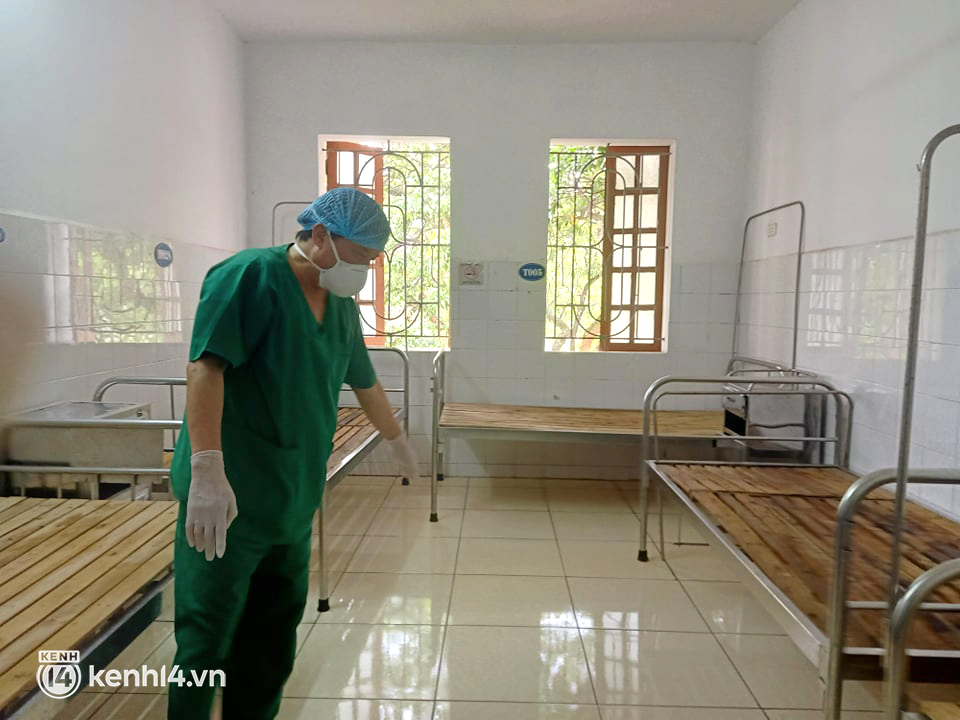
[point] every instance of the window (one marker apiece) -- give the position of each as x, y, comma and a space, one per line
115, 293
407, 301
607, 247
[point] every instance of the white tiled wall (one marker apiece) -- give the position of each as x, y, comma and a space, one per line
854, 313
47, 261
497, 356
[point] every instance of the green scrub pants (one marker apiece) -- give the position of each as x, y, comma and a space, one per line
239, 614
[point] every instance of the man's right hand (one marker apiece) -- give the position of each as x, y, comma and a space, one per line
211, 504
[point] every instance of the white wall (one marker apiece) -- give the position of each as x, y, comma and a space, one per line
126, 121
500, 106
847, 96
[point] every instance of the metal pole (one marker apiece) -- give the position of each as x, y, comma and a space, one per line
643, 555
405, 369
899, 622
438, 369
910, 373
132, 380
323, 604
173, 414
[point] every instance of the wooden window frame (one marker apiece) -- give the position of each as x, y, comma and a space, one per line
635, 270
333, 149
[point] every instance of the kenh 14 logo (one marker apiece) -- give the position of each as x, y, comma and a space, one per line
59, 673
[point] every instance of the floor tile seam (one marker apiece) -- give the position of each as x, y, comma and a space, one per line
333, 587
573, 607
723, 649
453, 585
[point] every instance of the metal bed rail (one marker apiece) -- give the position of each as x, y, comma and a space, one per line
135, 473
93, 474
839, 591
746, 368
908, 605
173, 382
804, 632
808, 387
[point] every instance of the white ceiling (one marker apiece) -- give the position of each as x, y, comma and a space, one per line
505, 21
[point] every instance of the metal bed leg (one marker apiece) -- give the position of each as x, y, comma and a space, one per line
663, 543
324, 603
643, 555
436, 469
434, 472
441, 459
833, 696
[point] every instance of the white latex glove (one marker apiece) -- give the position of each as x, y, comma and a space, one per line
403, 453
211, 504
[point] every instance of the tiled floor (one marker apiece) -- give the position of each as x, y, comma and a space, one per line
525, 602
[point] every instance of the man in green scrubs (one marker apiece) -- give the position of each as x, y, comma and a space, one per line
276, 335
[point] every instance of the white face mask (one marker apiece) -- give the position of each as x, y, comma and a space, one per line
343, 279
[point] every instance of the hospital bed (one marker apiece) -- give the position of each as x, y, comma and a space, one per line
81, 573
828, 552
355, 438
548, 424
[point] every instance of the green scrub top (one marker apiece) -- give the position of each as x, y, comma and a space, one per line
282, 382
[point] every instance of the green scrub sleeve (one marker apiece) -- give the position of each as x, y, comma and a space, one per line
234, 312
360, 373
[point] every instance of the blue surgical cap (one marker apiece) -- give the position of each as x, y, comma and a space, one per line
349, 213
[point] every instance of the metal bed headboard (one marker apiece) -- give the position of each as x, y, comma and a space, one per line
804, 385
273, 216
796, 291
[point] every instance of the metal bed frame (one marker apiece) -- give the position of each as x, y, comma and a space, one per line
901, 606
742, 372
437, 449
342, 470
798, 384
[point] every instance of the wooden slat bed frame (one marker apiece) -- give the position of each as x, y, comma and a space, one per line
784, 518
600, 422
941, 710
70, 568
353, 430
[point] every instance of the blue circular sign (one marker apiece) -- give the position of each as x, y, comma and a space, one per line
163, 254
3, 234
533, 272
